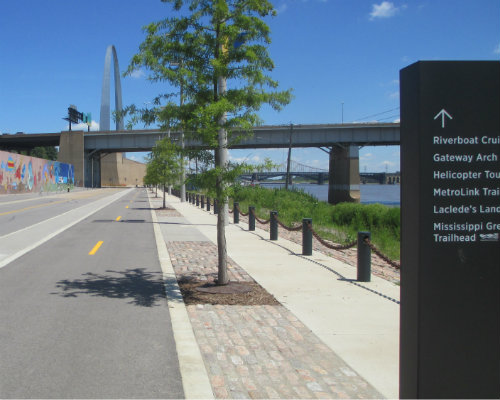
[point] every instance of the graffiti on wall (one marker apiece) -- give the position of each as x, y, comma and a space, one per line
22, 174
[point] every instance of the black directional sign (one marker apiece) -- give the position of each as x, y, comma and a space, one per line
450, 275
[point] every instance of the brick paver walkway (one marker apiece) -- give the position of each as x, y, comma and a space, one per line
260, 351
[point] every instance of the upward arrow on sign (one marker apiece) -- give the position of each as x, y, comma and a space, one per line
443, 114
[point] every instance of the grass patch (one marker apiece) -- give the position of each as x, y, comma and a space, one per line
339, 223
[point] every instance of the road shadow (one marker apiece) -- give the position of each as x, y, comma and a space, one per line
143, 288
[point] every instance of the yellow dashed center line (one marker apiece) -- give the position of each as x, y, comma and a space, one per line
32, 207
96, 247
118, 218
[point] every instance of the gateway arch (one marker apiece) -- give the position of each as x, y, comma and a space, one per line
104, 117
111, 169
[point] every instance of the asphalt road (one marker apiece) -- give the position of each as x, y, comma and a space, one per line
24, 210
84, 314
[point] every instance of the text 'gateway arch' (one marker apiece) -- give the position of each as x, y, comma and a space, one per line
104, 118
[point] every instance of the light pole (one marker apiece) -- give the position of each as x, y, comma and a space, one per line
287, 178
342, 113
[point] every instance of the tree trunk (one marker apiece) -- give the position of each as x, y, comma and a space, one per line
221, 161
222, 278
164, 195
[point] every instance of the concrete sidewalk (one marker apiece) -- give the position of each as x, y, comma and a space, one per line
358, 322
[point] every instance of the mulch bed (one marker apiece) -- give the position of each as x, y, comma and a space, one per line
257, 295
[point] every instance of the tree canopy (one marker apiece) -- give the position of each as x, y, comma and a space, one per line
165, 165
47, 153
215, 53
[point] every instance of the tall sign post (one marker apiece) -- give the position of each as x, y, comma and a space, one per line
450, 251
74, 116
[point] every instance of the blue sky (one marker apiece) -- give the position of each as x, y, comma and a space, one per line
329, 51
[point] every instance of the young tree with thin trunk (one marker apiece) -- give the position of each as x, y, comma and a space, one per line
215, 52
164, 166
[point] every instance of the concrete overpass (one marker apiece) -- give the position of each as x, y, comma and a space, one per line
341, 141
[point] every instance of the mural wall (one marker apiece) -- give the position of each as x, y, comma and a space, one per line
24, 174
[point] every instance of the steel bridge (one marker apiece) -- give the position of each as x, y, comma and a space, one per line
297, 169
319, 175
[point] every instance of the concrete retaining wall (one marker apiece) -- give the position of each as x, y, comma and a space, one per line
117, 170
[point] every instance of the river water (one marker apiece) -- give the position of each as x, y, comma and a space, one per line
370, 193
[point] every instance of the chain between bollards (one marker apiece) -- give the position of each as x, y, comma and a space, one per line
364, 246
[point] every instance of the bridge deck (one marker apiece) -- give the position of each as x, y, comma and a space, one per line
276, 136
263, 137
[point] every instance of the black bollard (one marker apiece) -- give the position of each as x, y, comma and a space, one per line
197, 200
216, 207
251, 218
208, 204
307, 241
273, 225
364, 257
202, 201
236, 212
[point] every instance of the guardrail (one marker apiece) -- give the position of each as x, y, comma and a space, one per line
363, 242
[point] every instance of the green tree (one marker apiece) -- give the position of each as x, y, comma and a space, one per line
165, 164
150, 178
39, 152
208, 46
47, 153
51, 153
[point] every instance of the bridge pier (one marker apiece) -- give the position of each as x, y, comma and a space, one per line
343, 183
92, 170
87, 165
71, 151
321, 178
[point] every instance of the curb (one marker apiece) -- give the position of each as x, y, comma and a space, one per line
195, 381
